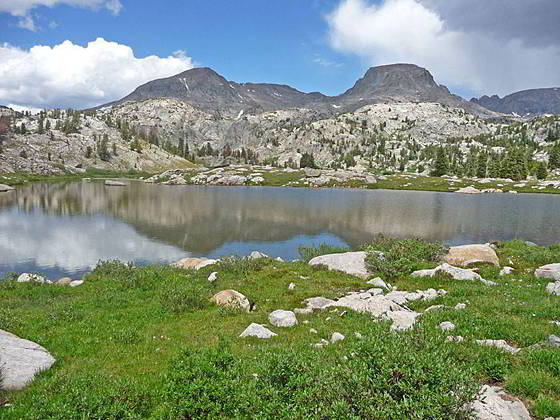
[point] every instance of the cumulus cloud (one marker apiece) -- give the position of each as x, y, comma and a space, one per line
22, 7
430, 33
69, 75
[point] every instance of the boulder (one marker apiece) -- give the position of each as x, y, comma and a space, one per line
493, 403
27, 277
549, 271
454, 338
349, 262
312, 173
499, 344
553, 288
553, 341
468, 190
213, 276
303, 311
21, 360
194, 263
466, 255
282, 318
233, 299
76, 283
64, 281
255, 255
112, 183
257, 330
460, 306
291, 286
6, 188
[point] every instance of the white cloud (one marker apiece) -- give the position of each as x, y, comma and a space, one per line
22, 7
69, 75
27, 22
323, 62
409, 31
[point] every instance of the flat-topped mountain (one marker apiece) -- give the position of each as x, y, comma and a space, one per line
532, 102
205, 89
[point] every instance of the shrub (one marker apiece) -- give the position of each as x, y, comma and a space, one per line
393, 257
308, 253
241, 266
387, 376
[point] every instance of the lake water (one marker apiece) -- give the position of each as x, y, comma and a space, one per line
66, 228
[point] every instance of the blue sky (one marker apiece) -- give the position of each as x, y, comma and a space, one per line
97, 48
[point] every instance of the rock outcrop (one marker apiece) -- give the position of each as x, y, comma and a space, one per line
549, 271
494, 404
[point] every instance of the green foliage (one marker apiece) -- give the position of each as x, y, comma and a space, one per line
241, 265
103, 149
307, 161
541, 171
523, 255
414, 378
392, 257
441, 165
554, 157
308, 253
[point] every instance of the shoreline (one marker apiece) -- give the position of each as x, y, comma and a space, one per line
249, 176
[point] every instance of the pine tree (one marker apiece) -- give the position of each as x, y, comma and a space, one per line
542, 173
41, 128
441, 165
102, 150
307, 160
482, 165
554, 157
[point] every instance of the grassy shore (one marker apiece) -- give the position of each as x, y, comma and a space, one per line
276, 178
134, 343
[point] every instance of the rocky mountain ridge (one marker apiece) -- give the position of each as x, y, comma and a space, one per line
208, 91
523, 103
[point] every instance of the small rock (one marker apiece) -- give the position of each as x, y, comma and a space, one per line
313, 331
27, 277
6, 188
255, 255
233, 299
64, 281
76, 283
468, 190
500, 344
282, 318
303, 311
553, 341
434, 308
336, 336
291, 286
194, 263
402, 320
378, 282
375, 291
305, 322
358, 335
112, 183
506, 271
318, 302
460, 306
454, 338
257, 330
556, 323
553, 288
447, 326
328, 318
213, 276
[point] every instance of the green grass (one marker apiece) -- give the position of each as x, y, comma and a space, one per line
146, 342
20, 178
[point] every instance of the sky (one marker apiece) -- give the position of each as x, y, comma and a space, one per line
82, 53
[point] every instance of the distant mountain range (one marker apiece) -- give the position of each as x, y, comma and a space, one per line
205, 89
532, 102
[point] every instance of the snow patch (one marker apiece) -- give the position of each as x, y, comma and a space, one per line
336, 106
240, 114
184, 80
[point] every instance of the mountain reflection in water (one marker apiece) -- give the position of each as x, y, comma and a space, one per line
68, 227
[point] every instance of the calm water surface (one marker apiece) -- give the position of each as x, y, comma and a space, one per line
66, 228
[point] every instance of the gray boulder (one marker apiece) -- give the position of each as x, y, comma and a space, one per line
282, 318
549, 271
255, 255
336, 336
378, 282
403, 320
465, 255
257, 330
21, 360
447, 326
493, 403
454, 272
506, 271
112, 183
318, 302
232, 299
352, 263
